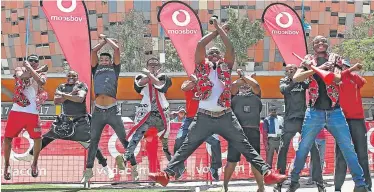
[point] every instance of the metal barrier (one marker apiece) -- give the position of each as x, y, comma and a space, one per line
64, 161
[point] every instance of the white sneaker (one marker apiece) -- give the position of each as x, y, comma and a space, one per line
87, 175
134, 173
27, 158
109, 172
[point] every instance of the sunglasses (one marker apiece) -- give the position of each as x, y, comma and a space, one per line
214, 52
154, 64
320, 41
72, 76
33, 60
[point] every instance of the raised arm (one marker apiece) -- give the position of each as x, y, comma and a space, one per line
200, 48
253, 83
230, 52
357, 79
114, 44
39, 78
95, 50
236, 85
161, 82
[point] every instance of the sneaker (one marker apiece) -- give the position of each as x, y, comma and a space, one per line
34, 171
179, 174
109, 172
224, 189
87, 175
309, 182
293, 187
121, 163
27, 158
287, 182
277, 187
134, 173
321, 187
214, 173
7, 173
273, 178
160, 177
360, 189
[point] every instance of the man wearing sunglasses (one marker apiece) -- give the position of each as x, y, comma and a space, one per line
153, 110
105, 71
74, 122
28, 98
214, 114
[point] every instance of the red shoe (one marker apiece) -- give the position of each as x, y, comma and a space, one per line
273, 178
160, 177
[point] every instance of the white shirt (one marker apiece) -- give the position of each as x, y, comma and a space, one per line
30, 92
210, 103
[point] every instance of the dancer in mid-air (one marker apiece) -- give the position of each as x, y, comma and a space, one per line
152, 111
192, 104
74, 122
28, 98
105, 71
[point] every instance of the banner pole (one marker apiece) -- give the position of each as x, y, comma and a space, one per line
27, 31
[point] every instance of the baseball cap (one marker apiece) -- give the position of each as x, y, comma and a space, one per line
346, 63
33, 57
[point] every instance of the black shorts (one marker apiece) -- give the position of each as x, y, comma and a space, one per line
253, 135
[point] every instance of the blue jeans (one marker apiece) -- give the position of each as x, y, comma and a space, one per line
334, 120
321, 146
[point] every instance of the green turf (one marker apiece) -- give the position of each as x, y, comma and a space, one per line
65, 188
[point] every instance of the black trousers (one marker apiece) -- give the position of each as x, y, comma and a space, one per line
99, 155
358, 131
229, 128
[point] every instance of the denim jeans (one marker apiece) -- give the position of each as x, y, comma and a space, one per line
212, 140
315, 120
321, 146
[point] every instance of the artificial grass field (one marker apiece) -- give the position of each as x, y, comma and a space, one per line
68, 188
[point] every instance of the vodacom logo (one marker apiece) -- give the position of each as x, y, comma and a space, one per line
284, 26
280, 24
69, 9
179, 31
185, 22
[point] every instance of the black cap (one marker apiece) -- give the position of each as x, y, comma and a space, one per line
33, 57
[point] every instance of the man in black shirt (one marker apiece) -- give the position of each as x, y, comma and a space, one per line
74, 122
105, 71
324, 110
247, 106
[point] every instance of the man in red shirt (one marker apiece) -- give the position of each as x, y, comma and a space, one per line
351, 103
189, 88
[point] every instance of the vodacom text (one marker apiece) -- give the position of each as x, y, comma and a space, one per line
70, 9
